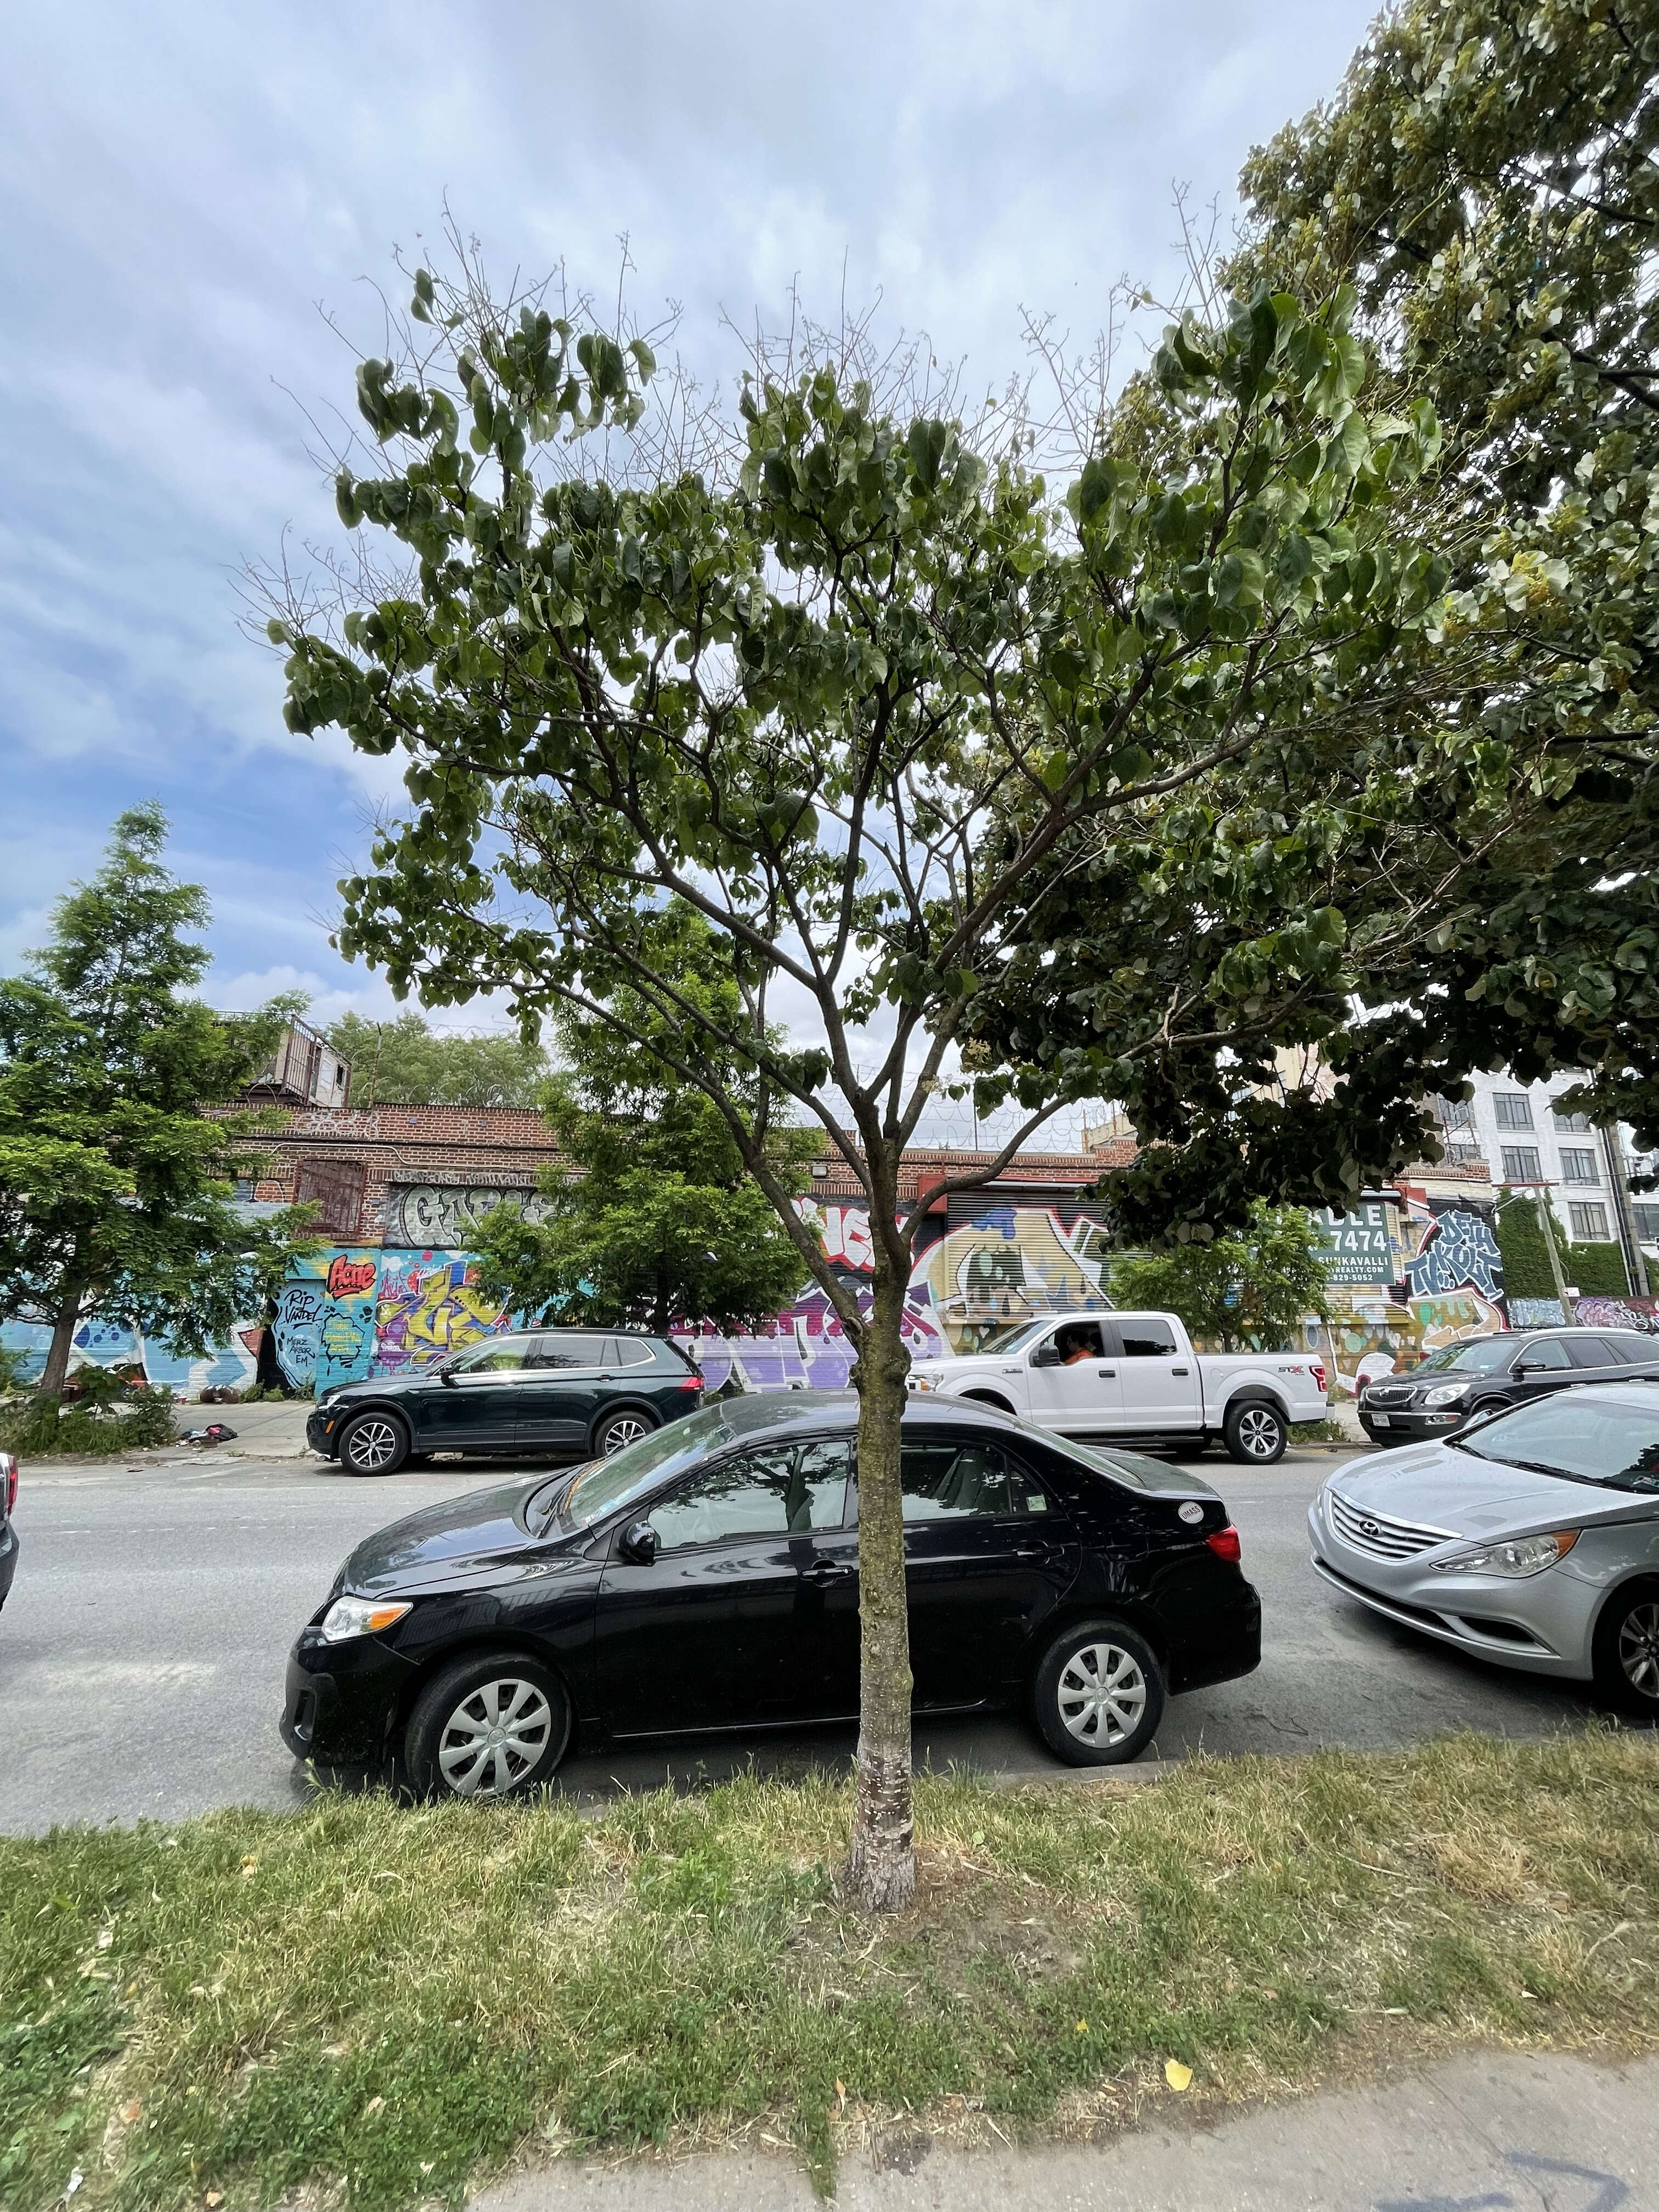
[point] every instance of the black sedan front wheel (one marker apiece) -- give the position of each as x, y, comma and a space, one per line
373, 1444
1628, 1649
493, 1726
1098, 1694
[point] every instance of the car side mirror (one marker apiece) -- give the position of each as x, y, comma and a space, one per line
1528, 1366
1046, 1355
446, 1376
639, 1543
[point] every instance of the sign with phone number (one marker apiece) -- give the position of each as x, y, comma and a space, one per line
1358, 1247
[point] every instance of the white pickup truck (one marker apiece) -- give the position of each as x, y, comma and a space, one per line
1136, 1375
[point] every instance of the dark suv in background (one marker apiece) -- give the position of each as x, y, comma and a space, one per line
1485, 1373
577, 1392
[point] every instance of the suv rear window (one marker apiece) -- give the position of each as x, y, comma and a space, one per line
631, 1352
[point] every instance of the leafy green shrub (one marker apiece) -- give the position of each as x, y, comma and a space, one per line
95, 1426
1598, 1270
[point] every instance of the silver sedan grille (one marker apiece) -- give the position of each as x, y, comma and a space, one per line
1377, 1534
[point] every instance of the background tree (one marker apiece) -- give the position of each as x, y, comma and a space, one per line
408, 1062
114, 1176
844, 684
1250, 1292
656, 1218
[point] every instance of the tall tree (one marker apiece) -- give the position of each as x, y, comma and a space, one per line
1488, 179
406, 1061
654, 1217
114, 1165
844, 687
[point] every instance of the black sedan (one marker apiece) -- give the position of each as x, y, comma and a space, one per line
706, 1578
1489, 1374
573, 1391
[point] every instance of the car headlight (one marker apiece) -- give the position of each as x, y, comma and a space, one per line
1445, 1393
1518, 1556
925, 1383
358, 1616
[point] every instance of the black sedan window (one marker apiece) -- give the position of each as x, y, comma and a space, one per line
1481, 1355
1544, 1352
786, 1491
1591, 1351
945, 1481
1584, 1435
564, 1348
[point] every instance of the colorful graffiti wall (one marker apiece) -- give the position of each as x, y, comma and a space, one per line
347, 1312
1408, 1275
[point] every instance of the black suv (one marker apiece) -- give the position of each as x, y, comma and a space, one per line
583, 1392
1485, 1373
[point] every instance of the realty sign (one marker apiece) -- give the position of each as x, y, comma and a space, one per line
1357, 1247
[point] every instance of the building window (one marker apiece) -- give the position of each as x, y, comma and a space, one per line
335, 1188
1589, 1222
1578, 1166
1573, 1125
242, 1190
1520, 1163
1647, 1223
1453, 1113
1513, 1109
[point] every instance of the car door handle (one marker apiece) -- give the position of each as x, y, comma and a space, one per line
1178, 1370
1111, 1373
826, 1570
1036, 1550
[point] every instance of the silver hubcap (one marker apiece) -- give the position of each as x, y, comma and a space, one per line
372, 1446
1638, 1649
494, 1737
1103, 1694
1258, 1432
626, 1429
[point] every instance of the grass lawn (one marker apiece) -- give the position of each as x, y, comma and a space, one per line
395, 2000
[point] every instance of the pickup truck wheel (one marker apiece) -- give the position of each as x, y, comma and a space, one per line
1097, 1695
1255, 1432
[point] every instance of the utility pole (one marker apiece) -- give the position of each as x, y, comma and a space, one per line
1546, 1223
1636, 1265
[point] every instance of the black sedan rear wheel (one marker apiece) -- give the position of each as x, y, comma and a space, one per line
1097, 1695
1628, 1649
373, 1444
493, 1725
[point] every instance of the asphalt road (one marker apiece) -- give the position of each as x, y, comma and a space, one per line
142, 1651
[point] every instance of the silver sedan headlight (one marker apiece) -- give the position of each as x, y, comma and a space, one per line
1515, 1557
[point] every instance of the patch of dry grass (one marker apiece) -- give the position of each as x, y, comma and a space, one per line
378, 2001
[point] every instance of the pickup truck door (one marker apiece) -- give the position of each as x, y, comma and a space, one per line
1071, 1374
1159, 1382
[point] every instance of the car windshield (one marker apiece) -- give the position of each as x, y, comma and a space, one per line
1480, 1356
1581, 1434
1010, 1336
607, 1484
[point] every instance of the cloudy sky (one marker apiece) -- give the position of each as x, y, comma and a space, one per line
199, 201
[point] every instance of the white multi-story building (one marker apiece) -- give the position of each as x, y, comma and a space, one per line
1529, 1143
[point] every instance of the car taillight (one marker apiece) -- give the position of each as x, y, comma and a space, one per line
1224, 1543
692, 1388
1318, 1373
8, 1476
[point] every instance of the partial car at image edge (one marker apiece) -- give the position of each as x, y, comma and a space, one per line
706, 1580
1530, 1541
8, 1525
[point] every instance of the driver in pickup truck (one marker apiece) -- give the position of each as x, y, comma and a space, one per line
1075, 1344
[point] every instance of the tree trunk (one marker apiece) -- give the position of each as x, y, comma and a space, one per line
881, 1866
50, 1389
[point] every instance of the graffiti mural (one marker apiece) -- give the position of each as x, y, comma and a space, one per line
1445, 1282
348, 1312
99, 1343
428, 1303
1013, 1264
426, 1214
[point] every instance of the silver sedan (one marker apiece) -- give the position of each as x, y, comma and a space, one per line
1531, 1539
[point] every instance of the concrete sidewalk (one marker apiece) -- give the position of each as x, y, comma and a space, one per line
1490, 2128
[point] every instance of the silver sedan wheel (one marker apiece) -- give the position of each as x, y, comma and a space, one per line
1258, 1432
494, 1737
1102, 1694
626, 1429
1638, 1649
373, 1444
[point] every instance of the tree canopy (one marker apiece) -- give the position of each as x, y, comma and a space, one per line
655, 1218
406, 1062
115, 1172
1249, 1293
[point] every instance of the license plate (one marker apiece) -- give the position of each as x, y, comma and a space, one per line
1380, 1421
